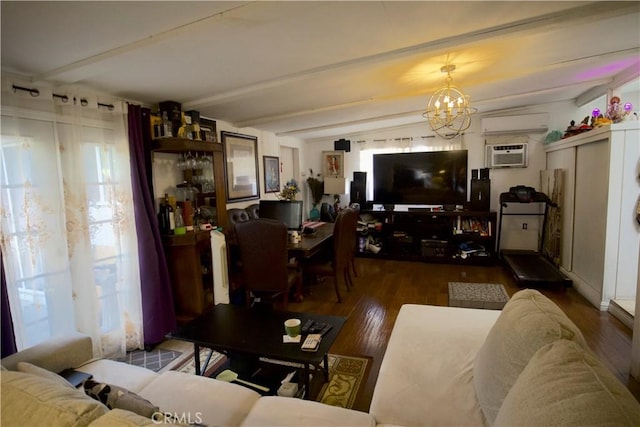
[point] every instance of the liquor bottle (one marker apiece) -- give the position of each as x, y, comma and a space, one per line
163, 219
167, 126
169, 213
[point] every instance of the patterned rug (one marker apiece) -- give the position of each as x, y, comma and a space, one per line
155, 359
477, 295
346, 374
188, 364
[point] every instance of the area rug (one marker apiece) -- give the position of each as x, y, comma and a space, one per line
155, 359
188, 363
491, 296
346, 374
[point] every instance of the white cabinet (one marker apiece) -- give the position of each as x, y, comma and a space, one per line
600, 237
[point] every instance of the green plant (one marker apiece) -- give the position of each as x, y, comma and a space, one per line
289, 190
316, 186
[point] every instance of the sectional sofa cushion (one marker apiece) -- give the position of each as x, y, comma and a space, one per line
190, 398
122, 418
292, 412
43, 373
425, 378
54, 355
131, 377
528, 322
565, 385
29, 400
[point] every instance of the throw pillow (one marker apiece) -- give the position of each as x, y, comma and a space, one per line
115, 397
565, 385
43, 373
29, 400
528, 322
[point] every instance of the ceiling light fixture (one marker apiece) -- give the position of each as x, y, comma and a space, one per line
448, 111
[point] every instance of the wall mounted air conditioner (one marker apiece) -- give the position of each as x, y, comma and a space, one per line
506, 156
529, 123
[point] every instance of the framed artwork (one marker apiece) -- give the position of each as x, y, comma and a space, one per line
240, 166
333, 164
208, 131
271, 174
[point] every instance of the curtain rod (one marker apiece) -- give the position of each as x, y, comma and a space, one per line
83, 101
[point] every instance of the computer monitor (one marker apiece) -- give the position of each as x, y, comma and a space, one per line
288, 212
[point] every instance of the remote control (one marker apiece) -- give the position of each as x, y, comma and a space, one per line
307, 325
326, 329
317, 327
312, 342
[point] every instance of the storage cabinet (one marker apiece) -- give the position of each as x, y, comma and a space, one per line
188, 256
457, 237
600, 238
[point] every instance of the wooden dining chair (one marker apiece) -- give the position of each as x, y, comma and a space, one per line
344, 240
265, 262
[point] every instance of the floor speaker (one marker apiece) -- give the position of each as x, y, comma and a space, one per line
358, 193
480, 195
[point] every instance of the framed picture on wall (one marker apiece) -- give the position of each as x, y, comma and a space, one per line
240, 166
271, 174
333, 164
208, 131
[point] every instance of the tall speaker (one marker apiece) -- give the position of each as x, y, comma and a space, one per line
358, 193
480, 199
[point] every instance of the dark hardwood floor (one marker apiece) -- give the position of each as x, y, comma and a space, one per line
383, 286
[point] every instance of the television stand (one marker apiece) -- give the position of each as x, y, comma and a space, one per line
464, 237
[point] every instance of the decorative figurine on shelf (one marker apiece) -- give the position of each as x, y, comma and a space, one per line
616, 112
317, 190
289, 190
575, 130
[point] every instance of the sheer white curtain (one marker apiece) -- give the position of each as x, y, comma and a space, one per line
399, 145
66, 216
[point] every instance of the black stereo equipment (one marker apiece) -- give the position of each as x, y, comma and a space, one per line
342, 144
358, 193
480, 199
360, 177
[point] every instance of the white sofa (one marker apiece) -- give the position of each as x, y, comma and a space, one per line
526, 365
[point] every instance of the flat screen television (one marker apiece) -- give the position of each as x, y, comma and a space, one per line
288, 212
429, 178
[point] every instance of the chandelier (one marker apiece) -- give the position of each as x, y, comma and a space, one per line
448, 111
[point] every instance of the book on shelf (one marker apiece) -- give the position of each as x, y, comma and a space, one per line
473, 225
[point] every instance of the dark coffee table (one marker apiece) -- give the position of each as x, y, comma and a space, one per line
258, 331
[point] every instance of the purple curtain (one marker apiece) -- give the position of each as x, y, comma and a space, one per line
8, 337
159, 317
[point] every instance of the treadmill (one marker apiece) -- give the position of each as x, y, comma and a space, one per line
530, 269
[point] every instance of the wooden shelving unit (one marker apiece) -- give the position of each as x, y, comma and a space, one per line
466, 237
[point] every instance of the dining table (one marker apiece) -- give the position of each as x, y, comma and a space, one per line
311, 242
